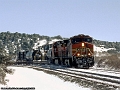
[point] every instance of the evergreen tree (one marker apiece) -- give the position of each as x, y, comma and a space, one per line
4, 62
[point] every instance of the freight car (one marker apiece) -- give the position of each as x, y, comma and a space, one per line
74, 52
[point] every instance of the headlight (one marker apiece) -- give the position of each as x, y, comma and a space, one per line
78, 54
89, 54
83, 44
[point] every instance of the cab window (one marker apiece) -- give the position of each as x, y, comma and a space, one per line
88, 40
76, 40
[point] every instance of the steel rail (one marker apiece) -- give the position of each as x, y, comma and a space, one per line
101, 78
112, 80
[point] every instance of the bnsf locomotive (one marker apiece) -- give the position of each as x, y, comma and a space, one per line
74, 52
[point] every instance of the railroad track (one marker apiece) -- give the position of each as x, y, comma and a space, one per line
109, 80
113, 80
102, 70
101, 78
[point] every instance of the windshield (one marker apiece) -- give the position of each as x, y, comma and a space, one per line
77, 40
88, 40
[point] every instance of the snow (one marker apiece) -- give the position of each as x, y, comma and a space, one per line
102, 49
39, 43
27, 77
54, 40
100, 71
93, 71
43, 42
99, 50
6, 49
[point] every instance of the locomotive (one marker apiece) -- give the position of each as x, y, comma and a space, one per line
74, 52
27, 57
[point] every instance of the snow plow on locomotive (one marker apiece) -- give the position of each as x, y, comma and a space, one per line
74, 52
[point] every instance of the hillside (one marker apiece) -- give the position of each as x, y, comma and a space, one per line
14, 42
106, 53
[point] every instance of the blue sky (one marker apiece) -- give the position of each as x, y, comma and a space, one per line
97, 18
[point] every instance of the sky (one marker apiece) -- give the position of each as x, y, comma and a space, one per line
98, 18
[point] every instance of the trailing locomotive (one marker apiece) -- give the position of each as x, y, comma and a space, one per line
76, 51
27, 57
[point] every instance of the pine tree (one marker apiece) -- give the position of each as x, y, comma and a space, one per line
4, 62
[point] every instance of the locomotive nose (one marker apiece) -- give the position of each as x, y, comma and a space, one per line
83, 44
89, 45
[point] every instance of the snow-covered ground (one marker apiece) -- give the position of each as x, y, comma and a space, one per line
27, 77
102, 48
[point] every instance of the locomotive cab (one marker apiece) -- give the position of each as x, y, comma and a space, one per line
82, 51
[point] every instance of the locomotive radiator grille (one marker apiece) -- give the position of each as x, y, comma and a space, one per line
82, 52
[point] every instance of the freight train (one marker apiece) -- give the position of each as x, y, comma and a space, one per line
74, 52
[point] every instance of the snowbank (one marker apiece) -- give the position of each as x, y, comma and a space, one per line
26, 77
102, 49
